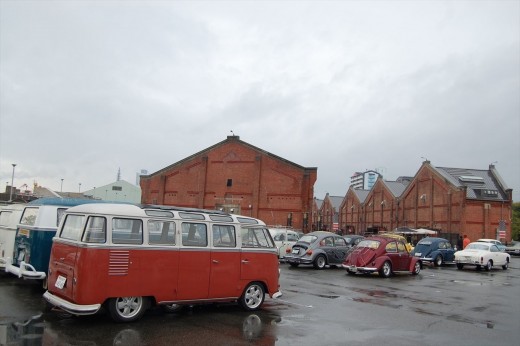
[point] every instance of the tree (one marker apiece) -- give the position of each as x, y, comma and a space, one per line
515, 224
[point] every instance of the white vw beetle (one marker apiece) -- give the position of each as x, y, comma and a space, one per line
283, 238
480, 254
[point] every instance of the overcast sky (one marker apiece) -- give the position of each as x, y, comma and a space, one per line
88, 87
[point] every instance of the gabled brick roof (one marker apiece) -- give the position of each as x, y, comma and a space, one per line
336, 201
231, 139
361, 194
395, 187
480, 184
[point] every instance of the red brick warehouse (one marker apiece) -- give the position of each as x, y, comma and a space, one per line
240, 178
453, 201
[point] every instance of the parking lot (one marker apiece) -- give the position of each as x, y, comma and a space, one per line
440, 306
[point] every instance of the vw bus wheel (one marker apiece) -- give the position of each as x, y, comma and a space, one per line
416, 268
320, 262
253, 296
386, 270
127, 309
438, 261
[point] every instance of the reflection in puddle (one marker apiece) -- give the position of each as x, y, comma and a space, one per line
197, 326
127, 337
28, 332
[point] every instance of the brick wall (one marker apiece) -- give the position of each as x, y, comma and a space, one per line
239, 178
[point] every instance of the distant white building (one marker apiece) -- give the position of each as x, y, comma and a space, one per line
364, 180
119, 191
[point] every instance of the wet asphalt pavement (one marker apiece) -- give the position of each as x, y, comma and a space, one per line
440, 306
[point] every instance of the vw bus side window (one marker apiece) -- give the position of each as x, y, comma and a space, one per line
127, 231
161, 232
194, 234
29, 216
224, 236
72, 227
96, 231
256, 237
59, 215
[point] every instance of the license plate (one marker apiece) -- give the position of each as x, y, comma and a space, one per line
296, 251
418, 254
60, 282
353, 269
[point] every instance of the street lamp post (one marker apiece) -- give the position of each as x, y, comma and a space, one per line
61, 188
79, 189
12, 183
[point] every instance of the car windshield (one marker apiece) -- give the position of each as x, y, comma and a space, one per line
308, 238
372, 244
477, 246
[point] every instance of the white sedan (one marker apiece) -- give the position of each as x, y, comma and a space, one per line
480, 254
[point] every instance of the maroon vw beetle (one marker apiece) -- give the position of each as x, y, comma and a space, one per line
384, 255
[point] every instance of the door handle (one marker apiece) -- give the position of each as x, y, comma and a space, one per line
215, 261
245, 261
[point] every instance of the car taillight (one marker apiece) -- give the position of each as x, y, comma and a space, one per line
309, 252
288, 250
481, 259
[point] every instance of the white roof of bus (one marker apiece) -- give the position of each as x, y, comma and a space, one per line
108, 208
134, 210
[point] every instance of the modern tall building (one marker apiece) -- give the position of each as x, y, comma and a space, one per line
364, 180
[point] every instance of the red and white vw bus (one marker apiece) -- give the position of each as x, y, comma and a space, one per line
127, 258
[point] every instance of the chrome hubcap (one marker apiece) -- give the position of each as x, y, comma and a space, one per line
129, 306
253, 296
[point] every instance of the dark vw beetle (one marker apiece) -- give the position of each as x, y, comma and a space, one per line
319, 249
384, 255
434, 250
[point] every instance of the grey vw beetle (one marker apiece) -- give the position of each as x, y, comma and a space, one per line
319, 249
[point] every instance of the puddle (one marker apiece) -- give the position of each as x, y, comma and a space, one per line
376, 293
28, 332
326, 296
